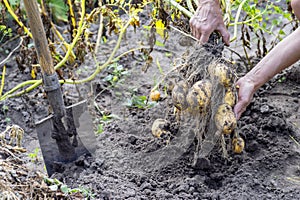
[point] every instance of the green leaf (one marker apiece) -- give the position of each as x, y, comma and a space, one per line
147, 27
120, 68
281, 32
53, 187
4, 108
74, 190
160, 44
59, 10
14, 2
48, 180
2, 27
100, 128
108, 77
57, 182
64, 188
167, 54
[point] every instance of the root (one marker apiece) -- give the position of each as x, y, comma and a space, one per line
194, 67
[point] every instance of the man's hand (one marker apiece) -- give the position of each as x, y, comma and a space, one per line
246, 90
208, 18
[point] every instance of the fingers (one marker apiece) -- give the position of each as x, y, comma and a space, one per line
225, 34
204, 37
198, 33
202, 32
193, 27
239, 108
196, 28
245, 94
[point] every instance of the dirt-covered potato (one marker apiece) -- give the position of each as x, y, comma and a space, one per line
224, 74
199, 95
179, 93
225, 119
160, 127
229, 97
154, 95
238, 144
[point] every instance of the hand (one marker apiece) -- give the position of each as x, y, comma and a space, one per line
246, 90
208, 18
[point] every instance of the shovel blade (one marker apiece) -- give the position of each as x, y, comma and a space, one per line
85, 140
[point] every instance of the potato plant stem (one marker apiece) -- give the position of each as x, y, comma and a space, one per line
237, 19
2, 79
249, 20
72, 15
33, 86
179, 7
183, 33
100, 30
227, 11
60, 37
11, 53
109, 60
10, 10
80, 29
9, 94
190, 6
129, 51
196, 2
36, 83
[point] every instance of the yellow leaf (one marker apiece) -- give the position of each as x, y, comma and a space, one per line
154, 12
33, 71
173, 16
160, 28
135, 21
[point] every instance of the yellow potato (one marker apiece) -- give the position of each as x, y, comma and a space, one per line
199, 95
238, 144
179, 93
155, 95
225, 119
229, 97
160, 127
224, 74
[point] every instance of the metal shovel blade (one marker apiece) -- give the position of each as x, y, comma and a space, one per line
84, 142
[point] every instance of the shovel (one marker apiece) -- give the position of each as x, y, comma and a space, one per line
68, 132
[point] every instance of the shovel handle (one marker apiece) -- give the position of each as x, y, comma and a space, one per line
50, 79
39, 37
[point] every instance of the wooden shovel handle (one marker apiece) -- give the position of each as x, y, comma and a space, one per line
39, 36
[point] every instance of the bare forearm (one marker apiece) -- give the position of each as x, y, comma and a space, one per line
286, 53
203, 1
296, 7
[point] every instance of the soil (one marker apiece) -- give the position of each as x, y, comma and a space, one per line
130, 163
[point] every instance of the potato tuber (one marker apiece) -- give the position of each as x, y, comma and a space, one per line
199, 96
223, 73
225, 119
238, 144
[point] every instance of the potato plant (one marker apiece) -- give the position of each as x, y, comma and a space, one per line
164, 14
